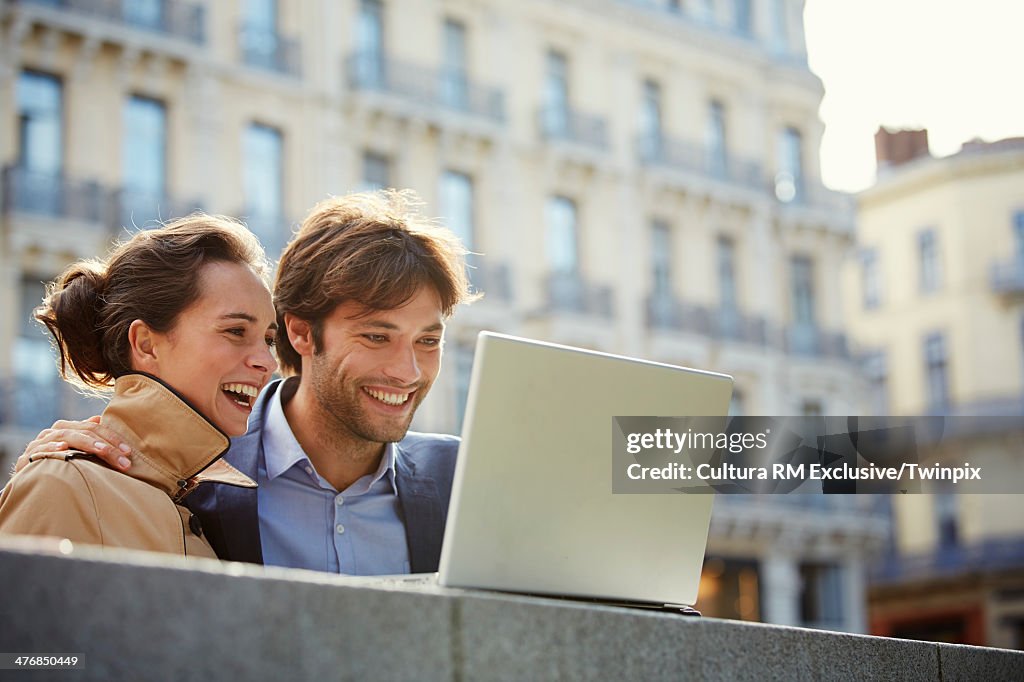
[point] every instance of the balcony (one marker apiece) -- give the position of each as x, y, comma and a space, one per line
445, 89
268, 50
136, 209
1008, 277
173, 19
32, 404
52, 195
571, 293
567, 125
985, 556
272, 230
660, 151
811, 341
493, 279
664, 311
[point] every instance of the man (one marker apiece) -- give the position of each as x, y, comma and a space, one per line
362, 294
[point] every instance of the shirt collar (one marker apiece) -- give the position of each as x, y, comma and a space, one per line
282, 450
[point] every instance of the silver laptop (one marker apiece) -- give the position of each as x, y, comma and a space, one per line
532, 508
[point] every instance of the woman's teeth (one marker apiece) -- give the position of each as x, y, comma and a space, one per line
242, 394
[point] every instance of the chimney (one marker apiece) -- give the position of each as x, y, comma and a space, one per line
893, 148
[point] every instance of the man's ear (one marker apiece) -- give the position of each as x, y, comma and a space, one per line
142, 341
300, 334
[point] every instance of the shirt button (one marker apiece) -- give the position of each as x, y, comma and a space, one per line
340, 528
339, 500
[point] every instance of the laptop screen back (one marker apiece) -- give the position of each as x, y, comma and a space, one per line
532, 508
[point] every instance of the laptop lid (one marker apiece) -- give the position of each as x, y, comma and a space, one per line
532, 508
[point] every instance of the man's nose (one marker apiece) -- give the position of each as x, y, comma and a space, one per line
403, 366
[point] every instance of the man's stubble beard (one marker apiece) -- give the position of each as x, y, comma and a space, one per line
340, 405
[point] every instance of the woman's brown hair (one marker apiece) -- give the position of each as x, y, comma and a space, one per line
153, 277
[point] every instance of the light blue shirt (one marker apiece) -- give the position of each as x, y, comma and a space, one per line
306, 523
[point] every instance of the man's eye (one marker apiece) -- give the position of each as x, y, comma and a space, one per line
375, 338
237, 331
431, 341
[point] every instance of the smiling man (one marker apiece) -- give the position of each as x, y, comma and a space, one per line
362, 294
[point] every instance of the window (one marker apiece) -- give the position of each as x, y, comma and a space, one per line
556, 95
40, 143
562, 254
715, 139
650, 120
870, 279
737, 405
463, 373
35, 373
376, 171
726, 273
369, 43
454, 83
802, 272
789, 179
742, 17
1018, 236
259, 33
821, 594
457, 205
780, 26
946, 521
144, 13
877, 373
811, 408
936, 369
703, 11
929, 265
36, 186
730, 588
264, 185
661, 259
143, 157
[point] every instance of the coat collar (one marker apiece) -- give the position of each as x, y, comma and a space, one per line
176, 447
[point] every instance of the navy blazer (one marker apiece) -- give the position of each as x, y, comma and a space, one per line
424, 467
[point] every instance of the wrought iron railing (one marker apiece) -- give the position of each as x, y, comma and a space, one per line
450, 89
570, 125
172, 18
269, 50
52, 194
661, 150
570, 292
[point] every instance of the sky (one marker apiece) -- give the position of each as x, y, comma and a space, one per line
955, 67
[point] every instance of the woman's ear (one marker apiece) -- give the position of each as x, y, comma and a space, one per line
142, 341
300, 334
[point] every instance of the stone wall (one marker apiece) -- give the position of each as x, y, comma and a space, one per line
135, 616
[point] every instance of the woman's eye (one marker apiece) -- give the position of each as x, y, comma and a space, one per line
271, 341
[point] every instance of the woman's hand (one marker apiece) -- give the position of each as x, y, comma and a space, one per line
87, 436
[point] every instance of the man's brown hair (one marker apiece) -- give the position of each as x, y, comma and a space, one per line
373, 248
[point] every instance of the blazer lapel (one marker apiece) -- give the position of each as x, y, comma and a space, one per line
424, 518
238, 507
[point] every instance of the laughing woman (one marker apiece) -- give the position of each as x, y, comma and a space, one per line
179, 323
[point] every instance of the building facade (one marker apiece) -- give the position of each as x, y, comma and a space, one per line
936, 307
634, 177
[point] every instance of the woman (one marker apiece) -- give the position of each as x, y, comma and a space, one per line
179, 323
